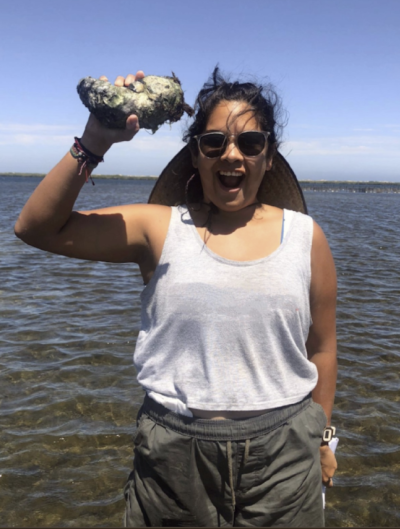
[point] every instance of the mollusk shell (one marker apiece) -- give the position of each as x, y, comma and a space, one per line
155, 100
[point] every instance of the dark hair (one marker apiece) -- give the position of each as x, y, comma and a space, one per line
263, 100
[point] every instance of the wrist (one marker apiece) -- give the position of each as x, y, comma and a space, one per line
324, 447
328, 434
86, 159
95, 144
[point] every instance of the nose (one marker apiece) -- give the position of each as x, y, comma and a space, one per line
232, 151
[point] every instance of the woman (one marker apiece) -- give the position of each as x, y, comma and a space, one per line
238, 316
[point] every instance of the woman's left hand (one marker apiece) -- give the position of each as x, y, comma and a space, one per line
328, 465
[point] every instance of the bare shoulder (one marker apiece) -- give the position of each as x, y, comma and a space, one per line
145, 226
147, 215
144, 211
153, 219
133, 215
320, 245
155, 214
323, 272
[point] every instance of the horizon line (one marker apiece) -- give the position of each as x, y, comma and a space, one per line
151, 177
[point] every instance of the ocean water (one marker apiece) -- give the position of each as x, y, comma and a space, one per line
68, 395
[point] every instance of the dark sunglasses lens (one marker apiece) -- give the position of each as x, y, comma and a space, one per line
251, 143
212, 145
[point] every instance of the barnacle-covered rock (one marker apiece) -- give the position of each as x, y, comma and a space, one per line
155, 100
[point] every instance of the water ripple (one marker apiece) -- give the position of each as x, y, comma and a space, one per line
68, 394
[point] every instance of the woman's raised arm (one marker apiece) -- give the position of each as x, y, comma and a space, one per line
47, 221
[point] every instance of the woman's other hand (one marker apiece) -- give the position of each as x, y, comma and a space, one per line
328, 465
97, 138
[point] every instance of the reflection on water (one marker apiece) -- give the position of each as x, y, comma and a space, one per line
68, 395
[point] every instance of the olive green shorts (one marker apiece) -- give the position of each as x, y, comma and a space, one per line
259, 472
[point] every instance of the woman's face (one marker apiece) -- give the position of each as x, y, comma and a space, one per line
231, 181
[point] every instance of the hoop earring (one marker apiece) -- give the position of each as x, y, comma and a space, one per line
187, 189
188, 184
193, 187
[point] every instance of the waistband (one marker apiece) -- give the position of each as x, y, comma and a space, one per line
221, 430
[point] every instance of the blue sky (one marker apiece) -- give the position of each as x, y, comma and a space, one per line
336, 65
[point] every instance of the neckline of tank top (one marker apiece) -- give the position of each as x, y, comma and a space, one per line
232, 262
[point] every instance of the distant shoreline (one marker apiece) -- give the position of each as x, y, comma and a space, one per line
306, 183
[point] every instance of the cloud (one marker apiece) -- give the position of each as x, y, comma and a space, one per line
35, 139
35, 134
35, 128
387, 146
58, 135
157, 144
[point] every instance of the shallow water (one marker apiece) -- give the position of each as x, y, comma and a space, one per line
68, 395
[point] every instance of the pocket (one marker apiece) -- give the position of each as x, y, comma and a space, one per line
320, 415
128, 485
139, 434
127, 495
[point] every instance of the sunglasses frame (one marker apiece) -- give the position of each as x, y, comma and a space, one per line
198, 138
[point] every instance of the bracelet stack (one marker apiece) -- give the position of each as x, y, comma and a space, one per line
86, 159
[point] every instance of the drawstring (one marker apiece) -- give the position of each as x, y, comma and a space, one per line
230, 467
229, 457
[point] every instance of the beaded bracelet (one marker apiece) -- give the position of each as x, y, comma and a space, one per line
86, 159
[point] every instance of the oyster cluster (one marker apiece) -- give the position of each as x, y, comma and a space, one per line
155, 100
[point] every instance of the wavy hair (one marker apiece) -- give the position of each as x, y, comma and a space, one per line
264, 102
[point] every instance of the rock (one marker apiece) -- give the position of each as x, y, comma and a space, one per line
155, 100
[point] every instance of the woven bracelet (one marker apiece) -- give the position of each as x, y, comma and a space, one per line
86, 159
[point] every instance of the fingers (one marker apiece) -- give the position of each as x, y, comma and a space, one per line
132, 78
328, 466
119, 81
328, 483
125, 81
129, 79
327, 479
132, 123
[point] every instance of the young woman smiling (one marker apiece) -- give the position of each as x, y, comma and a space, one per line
237, 348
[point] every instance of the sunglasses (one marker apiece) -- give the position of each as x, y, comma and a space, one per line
250, 143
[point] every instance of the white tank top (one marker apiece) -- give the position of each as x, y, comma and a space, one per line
218, 334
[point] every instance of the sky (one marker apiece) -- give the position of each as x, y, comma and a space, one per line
335, 65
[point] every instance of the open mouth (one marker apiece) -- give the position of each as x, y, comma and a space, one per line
230, 179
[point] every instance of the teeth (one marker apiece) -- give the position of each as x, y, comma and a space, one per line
230, 179
230, 173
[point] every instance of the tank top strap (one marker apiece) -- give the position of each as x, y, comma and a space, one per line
179, 234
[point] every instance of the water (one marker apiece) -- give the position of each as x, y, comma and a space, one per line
68, 396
